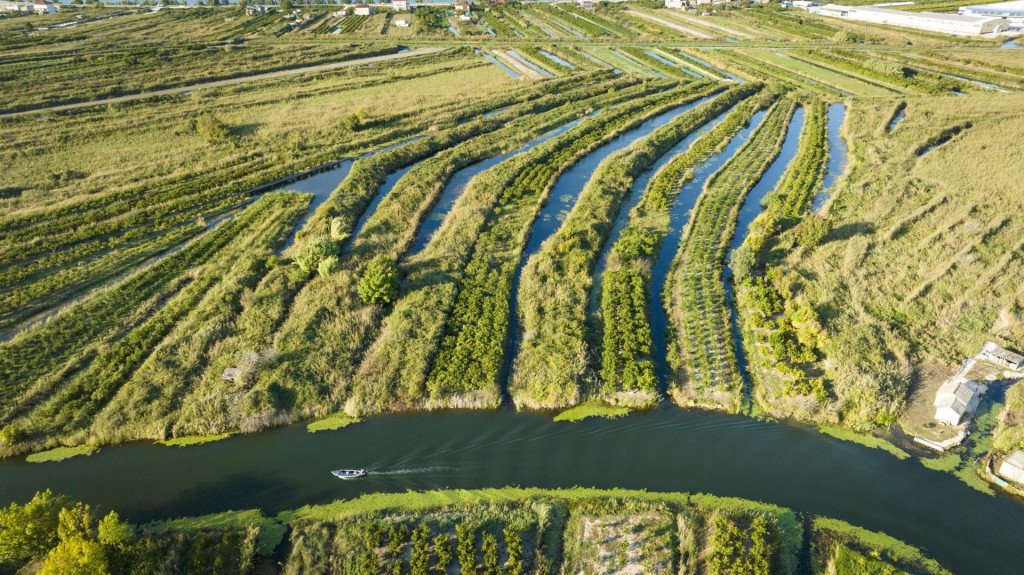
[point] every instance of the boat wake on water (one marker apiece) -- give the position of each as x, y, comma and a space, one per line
412, 471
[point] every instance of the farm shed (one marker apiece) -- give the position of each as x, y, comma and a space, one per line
362, 10
673, 3
401, 21
957, 398
931, 21
1013, 467
1002, 357
1012, 11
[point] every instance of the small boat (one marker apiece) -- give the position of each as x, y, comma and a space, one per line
349, 473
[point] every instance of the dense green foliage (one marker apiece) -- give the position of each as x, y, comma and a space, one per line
626, 354
554, 361
705, 363
63, 537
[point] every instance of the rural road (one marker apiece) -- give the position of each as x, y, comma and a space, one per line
230, 81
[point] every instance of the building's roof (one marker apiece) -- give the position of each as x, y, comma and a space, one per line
955, 395
1015, 8
902, 15
1016, 459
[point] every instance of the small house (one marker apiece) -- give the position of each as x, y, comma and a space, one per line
1013, 467
252, 10
399, 5
461, 6
586, 4
1002, 357
673, 3
44, 7
401, 21
957, 398
465, 17
362, 10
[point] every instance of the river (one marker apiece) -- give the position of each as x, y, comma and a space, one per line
667, 449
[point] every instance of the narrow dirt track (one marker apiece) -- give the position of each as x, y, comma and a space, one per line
230, 81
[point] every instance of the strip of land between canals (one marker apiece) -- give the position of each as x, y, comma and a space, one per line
266, 76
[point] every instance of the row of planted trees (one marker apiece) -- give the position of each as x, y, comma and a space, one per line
554, 360
471, 355
706, 371
626, 352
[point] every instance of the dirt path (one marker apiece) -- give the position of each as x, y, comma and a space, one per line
230, 81
667, 24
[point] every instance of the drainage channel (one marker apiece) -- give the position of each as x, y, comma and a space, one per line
749, 210
678, 218
560, 202
457, 185
836, 154
636, 194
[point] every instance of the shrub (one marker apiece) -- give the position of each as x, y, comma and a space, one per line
328, 265
211, 129
812, 230
379, 283
313, 252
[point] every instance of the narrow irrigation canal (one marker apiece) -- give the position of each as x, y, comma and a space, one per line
563, 197
457, 185
678, 217
666, 450
750, 209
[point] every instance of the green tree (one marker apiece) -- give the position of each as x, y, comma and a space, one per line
466, 548
338, 232
76, 555
286, 5
442, 553
490, 553
111, 532
514, 548
419, 560
379, 283
313, 252
812, 230
328, 265
28, 532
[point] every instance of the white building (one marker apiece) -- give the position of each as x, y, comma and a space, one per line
1002, 357
1013, 467
44, 7
362, 10
465, 17
588, 4
401, 21
400, 5
804, 4
931, 21
957, 398
674, 3
461, 6
1012, 11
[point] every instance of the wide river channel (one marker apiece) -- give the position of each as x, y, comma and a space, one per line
667, 449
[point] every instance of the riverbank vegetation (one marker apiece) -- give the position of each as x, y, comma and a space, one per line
505, 530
